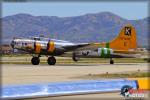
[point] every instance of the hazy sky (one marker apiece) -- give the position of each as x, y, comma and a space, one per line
128, 10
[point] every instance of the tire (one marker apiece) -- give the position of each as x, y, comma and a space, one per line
111, 61
35, 60
74, 58
51, 61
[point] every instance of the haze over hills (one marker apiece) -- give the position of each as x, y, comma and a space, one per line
97, 27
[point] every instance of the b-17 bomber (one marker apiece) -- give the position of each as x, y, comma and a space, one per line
124, 44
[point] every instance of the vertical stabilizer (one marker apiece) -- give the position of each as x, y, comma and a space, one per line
125, 40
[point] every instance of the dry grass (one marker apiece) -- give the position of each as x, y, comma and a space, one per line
116, 75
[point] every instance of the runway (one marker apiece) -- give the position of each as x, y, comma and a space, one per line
13, 74
24, 74
99, 96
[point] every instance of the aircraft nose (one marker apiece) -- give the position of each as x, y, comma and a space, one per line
12, 44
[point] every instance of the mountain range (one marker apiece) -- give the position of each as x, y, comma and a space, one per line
98, 27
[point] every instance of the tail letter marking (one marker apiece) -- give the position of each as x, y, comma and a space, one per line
128, 31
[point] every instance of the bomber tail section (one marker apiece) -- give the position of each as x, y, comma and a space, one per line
126, 39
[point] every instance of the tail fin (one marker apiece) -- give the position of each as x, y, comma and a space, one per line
125, 40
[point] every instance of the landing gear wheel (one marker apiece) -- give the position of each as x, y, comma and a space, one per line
74, 57
35, 60
51, 60
111, 61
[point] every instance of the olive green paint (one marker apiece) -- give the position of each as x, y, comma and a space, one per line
102, 53
108, 53
107, 45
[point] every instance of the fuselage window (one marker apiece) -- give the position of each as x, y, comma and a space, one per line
36, 38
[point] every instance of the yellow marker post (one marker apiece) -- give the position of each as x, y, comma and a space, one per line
143, 83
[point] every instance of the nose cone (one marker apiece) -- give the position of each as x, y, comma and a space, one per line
12, 44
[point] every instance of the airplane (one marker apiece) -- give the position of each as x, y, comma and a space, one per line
124, 44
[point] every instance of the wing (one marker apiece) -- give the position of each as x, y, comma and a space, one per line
81, 46
75, 46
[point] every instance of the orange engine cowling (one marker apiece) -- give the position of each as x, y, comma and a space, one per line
37, 47
50, 46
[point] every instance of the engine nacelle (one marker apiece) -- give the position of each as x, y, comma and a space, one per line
44, 47
37, 47
50, 46
104, 52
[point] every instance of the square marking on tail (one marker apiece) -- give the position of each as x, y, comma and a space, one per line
127, 31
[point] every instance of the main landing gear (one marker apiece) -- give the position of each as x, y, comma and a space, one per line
51, 60
36, 60
74, 57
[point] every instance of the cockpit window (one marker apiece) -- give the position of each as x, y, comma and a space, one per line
37, 38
